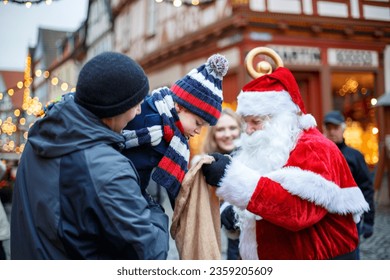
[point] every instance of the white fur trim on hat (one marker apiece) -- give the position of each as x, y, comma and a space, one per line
307, 121
253, 103
264, 103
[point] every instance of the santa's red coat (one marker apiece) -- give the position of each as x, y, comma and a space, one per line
305, 210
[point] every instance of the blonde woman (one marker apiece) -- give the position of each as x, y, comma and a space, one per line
223, 138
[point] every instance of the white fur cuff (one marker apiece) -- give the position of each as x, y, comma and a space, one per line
238, 184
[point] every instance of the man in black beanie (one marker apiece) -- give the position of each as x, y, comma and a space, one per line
76, 196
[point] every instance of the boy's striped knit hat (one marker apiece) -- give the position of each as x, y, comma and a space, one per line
200, 91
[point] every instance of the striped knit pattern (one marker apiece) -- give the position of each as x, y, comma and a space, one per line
151, 135
174, 164
207, 108
200, 91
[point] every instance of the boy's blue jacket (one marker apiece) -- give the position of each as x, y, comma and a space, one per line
77, 197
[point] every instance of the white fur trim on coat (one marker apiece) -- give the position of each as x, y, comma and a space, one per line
322, 192
238, 184
248, 241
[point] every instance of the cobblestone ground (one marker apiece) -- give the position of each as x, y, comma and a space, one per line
377, 247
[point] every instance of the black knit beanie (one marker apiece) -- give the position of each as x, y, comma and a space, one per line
110, 84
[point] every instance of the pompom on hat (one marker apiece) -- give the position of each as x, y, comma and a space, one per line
200, 91
110, 84
272, 94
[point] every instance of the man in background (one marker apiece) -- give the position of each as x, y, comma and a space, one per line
334, 127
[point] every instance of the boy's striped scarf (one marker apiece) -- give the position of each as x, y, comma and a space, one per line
174, 164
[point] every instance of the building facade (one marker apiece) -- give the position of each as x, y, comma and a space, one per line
99, 24
337, 50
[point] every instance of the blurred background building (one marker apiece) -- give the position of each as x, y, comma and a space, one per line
338, 50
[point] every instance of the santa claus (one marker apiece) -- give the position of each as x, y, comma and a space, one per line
292, 188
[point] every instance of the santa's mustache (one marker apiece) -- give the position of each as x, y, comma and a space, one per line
269, 148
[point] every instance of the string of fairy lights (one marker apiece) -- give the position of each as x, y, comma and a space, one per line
21, 119
179, 3
29, 3
176, 3
31, 105
14, 120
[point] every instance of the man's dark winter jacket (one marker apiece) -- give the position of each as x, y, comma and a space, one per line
77, 197
362, 177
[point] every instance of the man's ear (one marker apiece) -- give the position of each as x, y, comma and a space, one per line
343, 126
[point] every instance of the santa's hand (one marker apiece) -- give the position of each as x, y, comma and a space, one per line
214, 171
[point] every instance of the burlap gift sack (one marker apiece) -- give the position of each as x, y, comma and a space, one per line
196, 221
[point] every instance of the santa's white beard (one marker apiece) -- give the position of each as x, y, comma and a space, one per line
264, 151
268, 149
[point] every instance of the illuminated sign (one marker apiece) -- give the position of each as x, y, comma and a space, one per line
297, 55
347, 57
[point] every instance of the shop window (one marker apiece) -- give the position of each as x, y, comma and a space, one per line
354, 95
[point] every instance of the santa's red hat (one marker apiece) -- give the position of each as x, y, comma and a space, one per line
272, 94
